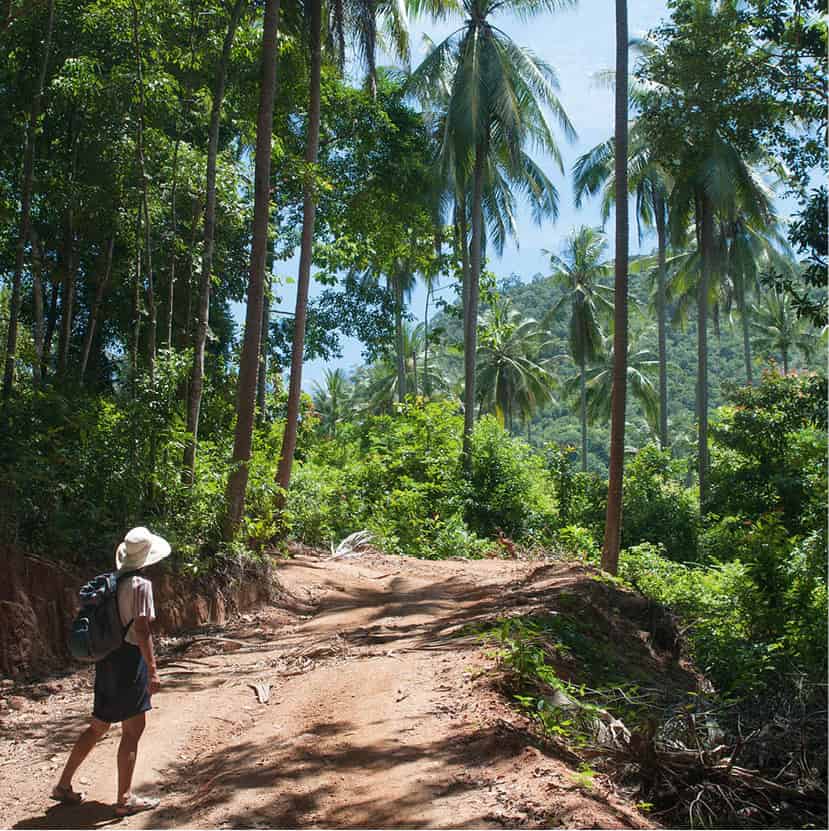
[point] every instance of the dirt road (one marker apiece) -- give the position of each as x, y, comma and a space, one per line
381, 713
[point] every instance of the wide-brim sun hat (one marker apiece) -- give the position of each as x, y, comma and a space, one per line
140, 548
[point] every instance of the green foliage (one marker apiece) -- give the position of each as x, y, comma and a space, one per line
575, 540
398, 475
510, 490
656, 508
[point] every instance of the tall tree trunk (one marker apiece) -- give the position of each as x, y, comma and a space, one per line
583, 391
661, 314
398, 338
426, 385
744, 321
785, 361
249, 361
37, 297
470, 340
171, 285
152, 312
67, 294
183, 112
613, 523
25, 207
309, 209
51, 323
136, 302
262, 376
707, 242
96, 307
414, 369
197, 375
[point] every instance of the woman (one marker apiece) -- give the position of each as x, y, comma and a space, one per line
127, 678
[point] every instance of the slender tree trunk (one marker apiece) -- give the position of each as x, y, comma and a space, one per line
785, 361
398, 337
661, 313
37, 297
25, 207
249, 361
414, 369
197, 375
51, 323
613, 523
67, 294
96, 307
583, 390
262, 378
171, 286
426, 384
707, 241
470, 340
152, 311
745, 323
136, 302
309, 209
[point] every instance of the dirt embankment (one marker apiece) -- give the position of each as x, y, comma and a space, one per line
39, 598
382, 710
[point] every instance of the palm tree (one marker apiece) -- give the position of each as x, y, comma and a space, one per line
376, 387
511, 376
579, 271
779, 331
750, 252
707, 143
650, 183
331, 400
642, 364
613, 522
249, 361
497, 95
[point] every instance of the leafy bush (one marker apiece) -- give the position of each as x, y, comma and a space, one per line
656, 508
574, 540
511, 490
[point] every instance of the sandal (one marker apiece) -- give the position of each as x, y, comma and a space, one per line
135, 805
65, 794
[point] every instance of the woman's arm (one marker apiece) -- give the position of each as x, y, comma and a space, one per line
145, 643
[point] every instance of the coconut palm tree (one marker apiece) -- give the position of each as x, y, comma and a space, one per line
579, 271
613, 520
750, 252
642, 365
649, 182
497, 96
331, 400
511, 375
779, 331
377, 387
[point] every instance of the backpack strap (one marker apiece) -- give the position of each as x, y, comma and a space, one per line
118, 579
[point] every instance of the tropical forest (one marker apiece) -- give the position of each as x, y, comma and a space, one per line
471, 357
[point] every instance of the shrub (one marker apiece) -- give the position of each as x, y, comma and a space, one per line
511, 490
656, 508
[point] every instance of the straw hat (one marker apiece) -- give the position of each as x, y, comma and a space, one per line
140, 548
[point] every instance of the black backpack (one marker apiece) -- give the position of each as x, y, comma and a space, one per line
97, 630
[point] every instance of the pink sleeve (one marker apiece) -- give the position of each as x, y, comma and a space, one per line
144, 600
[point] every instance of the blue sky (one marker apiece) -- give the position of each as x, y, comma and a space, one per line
578, 43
